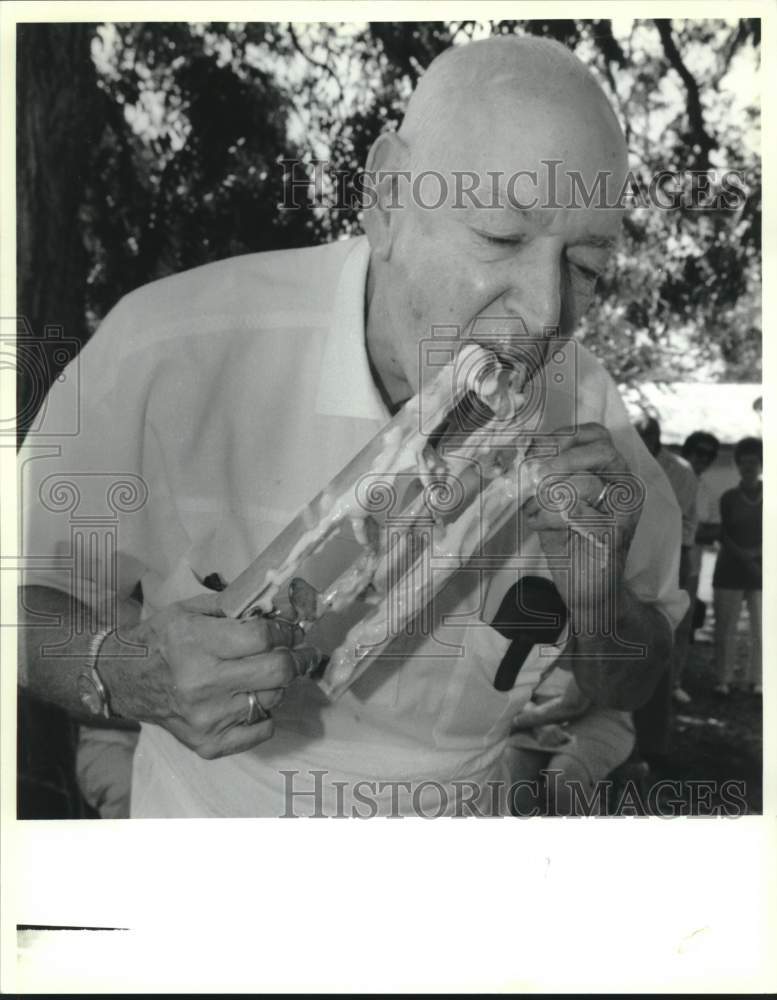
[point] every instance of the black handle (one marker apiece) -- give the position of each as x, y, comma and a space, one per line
531, 611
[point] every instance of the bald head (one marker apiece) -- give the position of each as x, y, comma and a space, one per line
495, 204
494, 81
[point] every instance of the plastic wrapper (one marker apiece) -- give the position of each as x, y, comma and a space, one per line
352, 568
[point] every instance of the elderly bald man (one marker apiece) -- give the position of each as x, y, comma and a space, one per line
234, 392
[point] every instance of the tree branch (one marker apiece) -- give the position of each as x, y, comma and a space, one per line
693, 103
737, 39
314, 62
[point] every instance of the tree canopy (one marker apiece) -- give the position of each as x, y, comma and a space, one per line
191, 127
681, 297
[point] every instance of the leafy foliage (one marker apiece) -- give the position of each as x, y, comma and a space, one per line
187, 168
198, 118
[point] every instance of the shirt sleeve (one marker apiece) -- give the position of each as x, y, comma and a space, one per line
653, 563
82, 493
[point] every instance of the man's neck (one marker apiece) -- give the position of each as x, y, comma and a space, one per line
378, 334
388, 402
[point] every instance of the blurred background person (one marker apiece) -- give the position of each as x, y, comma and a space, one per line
653, 721
699, 450
738, 569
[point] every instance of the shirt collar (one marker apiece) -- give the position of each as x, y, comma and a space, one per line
346, 387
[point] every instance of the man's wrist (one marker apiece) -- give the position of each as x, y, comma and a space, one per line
117, 676
613, 677
598, 617
625, 606
92, 692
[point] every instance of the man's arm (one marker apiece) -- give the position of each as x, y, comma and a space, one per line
186, 668
603, 673
41, 671
619, 644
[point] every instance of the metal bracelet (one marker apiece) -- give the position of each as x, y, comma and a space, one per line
95, 647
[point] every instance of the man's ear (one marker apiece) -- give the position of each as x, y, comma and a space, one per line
386, 190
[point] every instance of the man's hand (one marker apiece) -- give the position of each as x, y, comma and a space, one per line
197, 671
570, 704
588, 486
586, 509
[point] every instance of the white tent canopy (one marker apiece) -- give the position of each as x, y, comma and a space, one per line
725, 409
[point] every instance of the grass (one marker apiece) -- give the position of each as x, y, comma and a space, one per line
719, 739
715, 763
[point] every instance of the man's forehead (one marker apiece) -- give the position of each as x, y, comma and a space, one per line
516, 154
518, 134
528, 197
594, 227
534, 195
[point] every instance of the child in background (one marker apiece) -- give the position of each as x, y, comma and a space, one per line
738, 572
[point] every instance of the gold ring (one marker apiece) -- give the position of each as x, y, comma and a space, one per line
598, 501
255, 711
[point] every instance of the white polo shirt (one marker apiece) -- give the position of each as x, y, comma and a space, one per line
234, 392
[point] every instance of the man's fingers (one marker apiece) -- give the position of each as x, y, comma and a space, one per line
271, 699
561, 494
236, 711
541, 519
232, 638
238, 739
564, 438
263, 672
274, 669
596, 456
560, 500
569, 437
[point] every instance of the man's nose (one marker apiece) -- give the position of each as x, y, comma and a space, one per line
534, 293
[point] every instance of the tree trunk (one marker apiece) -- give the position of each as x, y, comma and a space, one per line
55, 95
55, 100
